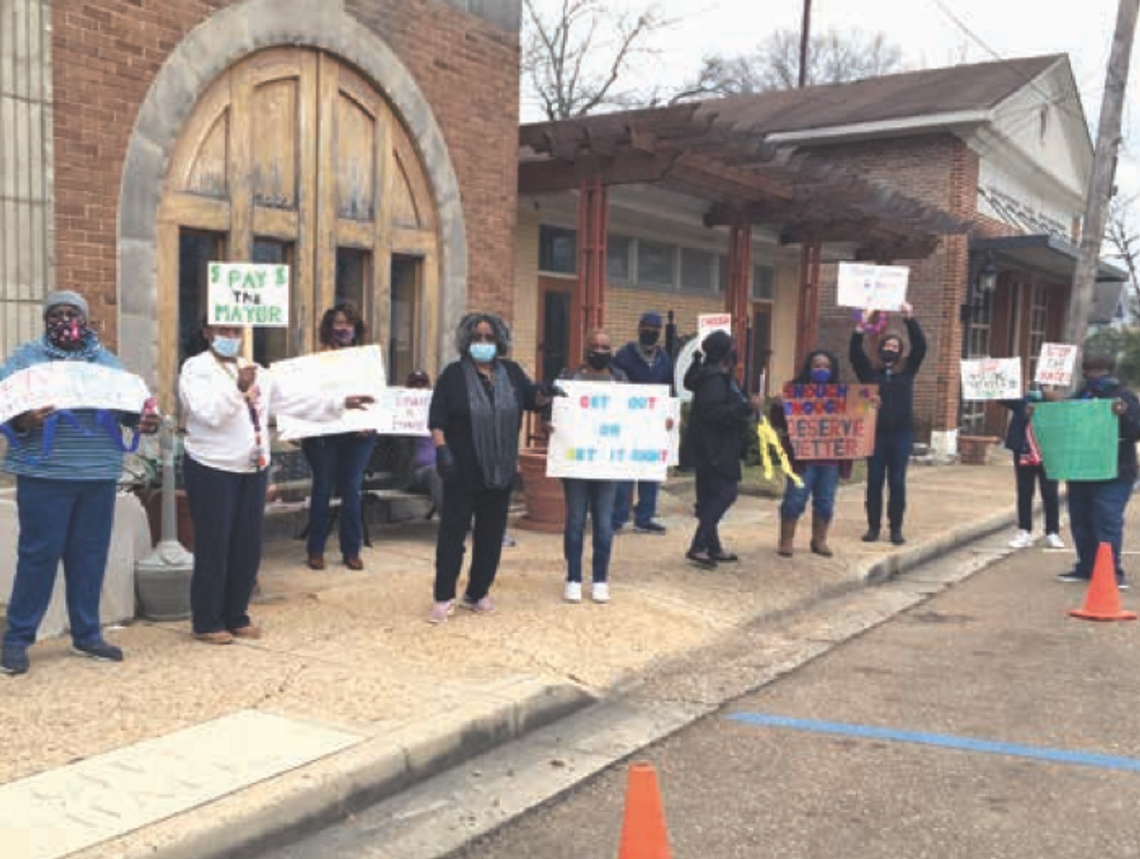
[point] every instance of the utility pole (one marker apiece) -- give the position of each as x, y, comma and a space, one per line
805, 38
1103, 173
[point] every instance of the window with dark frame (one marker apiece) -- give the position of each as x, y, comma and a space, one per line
557, 250
763, 282
656, 264
697, 270
619, 259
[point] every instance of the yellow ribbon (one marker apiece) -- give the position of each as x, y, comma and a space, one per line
769, 440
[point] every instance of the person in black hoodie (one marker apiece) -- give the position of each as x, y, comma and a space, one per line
716, 438
894, 430
1096, 507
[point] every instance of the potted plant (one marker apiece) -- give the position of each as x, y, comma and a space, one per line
976, 449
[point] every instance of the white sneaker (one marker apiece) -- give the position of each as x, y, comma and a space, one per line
573, 592
1054, 541
600, 592
1023, 540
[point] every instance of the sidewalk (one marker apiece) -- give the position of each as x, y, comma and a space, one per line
351, 695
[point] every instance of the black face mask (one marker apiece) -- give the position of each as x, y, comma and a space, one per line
648, 337
599, 360
888, 357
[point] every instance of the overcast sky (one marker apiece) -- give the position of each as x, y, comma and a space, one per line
988, 29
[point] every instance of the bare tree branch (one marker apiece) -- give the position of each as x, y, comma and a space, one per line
1123, 236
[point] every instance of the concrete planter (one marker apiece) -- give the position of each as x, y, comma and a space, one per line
545, 504
976, 449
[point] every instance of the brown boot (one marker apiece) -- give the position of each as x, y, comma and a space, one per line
819, 527
787, 537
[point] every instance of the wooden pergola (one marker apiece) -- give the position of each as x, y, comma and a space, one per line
744, 182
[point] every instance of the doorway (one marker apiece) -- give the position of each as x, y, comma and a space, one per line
558, 336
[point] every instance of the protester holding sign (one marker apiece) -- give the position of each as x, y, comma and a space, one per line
475, 419
67, 464
227, 404
894, 431
644, 363
1029, 471
338, 460
1096, 507
819, 477
717, 435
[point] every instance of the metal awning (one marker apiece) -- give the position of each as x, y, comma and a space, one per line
1043, 254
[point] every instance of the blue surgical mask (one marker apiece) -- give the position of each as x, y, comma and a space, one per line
482, 352
227, 347
1100, 384
821, 375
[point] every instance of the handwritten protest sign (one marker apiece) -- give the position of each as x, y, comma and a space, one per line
71, 385
1079, 439
872, 287
673, 410
248, 294
607, 431
407, 411
340, 373
991, 379
1055, 364
830, 421
707, 323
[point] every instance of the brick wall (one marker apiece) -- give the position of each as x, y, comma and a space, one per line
624, 306
106, 56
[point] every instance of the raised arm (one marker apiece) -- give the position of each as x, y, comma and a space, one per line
917, 345
857, 355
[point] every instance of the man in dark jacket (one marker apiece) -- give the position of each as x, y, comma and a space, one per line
1096, 507
644, 363
894, 430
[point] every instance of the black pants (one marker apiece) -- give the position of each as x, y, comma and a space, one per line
1027, 476
892, 454
715, 494
228, 510
460, 503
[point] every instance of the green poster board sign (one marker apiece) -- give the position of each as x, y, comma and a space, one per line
1078, 439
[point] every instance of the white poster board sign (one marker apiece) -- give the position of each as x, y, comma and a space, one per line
681, 367
71, 385
673, 410
338, 372
248, 294
707, 323
872, 287
1055, 364
610, 431
991, 379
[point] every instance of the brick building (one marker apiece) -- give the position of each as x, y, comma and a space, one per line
370, 144
1001, 150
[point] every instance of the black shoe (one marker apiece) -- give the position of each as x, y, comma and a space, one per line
100, 651
14, 660
872, 535
897, 536
649, 528
701, 560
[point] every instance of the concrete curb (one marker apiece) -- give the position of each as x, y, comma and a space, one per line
269, 814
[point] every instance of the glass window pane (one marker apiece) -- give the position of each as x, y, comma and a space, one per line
402, 318
555, 345
617, 258
272, 344
696, 269
763, 277
655, 264
195, 253
557, 250
353, 271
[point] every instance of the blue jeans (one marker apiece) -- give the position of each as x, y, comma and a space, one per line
597, 496
821, 483
892, 454
1096, 515
337, 461
646, 502
68, 520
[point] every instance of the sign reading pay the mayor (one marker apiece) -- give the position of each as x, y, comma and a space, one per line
248, 294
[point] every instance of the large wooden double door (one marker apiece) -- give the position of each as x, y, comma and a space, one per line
293, 157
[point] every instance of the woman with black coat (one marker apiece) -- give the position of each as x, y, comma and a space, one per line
716, 438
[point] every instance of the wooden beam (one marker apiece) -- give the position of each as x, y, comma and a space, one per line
626, 168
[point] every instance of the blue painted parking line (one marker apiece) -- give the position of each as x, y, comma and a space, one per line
945, 741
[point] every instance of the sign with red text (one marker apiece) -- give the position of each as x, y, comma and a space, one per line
707, 323
991, 379
611, 431
872, 287
1055, 364
831, 421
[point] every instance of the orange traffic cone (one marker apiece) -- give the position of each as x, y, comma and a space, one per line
1102, 600
643, 834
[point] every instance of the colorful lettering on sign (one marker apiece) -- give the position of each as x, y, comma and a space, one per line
595, 402
830, 421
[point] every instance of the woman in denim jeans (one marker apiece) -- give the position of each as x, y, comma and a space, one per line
820, 477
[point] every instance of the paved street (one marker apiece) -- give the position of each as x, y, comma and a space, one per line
994, 659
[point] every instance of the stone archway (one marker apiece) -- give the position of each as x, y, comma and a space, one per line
207, 52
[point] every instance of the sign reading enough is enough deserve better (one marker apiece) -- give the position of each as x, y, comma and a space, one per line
831, 421
609, 431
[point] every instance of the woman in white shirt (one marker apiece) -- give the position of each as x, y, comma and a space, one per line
226, 404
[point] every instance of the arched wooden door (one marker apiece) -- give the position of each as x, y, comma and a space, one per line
293, 157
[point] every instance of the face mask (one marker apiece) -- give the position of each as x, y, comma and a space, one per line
226, 347
888, 356
344, 336
66, 332
821, 375
482, 352
599, 360
1033, 396
648, 337
1101, 384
